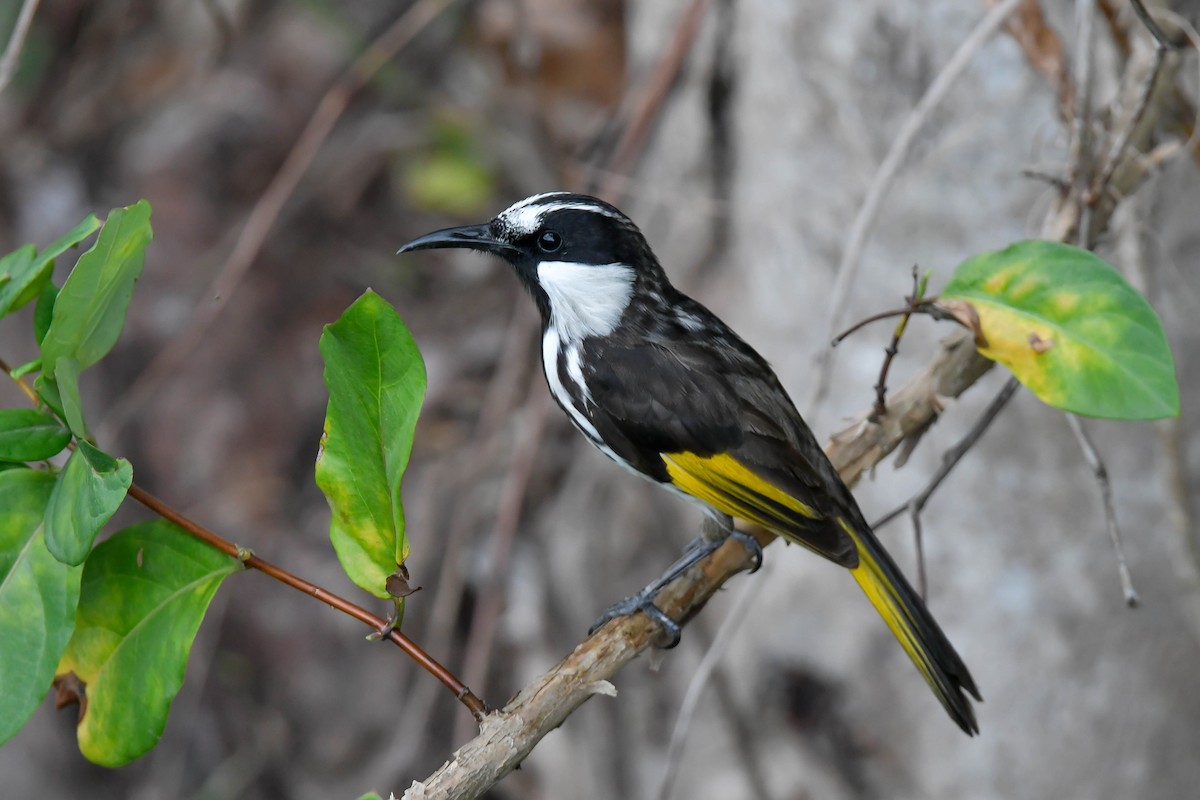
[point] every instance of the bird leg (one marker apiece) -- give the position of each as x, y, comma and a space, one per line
714, 532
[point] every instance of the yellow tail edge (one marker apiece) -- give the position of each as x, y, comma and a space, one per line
915, 628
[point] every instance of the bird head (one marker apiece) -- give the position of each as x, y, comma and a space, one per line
581, 259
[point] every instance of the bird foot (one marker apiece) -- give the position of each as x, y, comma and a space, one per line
643, 601
752, 547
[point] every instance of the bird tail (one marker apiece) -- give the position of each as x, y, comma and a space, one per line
914, 627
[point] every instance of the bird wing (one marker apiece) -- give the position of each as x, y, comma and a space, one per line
707, 414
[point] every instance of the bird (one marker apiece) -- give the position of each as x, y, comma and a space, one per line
663, 387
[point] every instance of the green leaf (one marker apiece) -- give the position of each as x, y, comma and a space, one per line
144, 594
90, 309
24, 272
73, 237
17, 273
29, 435
376, 382
1069, 327
66, 375
89, 491
38, 595
43, 312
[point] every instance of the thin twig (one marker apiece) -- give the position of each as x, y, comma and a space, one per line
1160, 36
1100, 187
266, 211
457, 687
894, 347
700, 678
919, 548
16, 42
1096, 462
916, 504
1082, 157
885, 176
856, 327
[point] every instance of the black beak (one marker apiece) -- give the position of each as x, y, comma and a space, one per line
470, 237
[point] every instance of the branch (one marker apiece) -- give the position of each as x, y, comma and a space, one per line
914, 305
1094, 460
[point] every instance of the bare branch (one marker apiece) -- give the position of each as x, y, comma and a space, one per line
1082, 158
1160, 36
507, 736
1094, 460
913, 409
914, 305
1122, 141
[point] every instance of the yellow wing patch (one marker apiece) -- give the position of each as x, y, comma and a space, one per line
728, 486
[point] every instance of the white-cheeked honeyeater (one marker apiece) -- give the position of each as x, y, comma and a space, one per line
667, 390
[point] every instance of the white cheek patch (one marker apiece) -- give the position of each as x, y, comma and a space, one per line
585, 299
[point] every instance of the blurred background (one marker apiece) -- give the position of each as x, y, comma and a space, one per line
285, 167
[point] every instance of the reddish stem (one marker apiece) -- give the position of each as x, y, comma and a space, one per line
460, 690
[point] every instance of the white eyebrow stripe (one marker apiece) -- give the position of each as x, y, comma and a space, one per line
526, 216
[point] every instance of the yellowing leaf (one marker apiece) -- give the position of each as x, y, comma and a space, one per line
1069, 327
376, 382
144, 593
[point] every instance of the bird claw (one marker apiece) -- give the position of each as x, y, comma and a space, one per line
752, 547
670, 630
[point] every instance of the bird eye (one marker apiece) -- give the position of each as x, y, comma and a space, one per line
549, 241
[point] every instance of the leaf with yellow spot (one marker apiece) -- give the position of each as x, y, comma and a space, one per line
144, 594
376, 382
1070, 327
